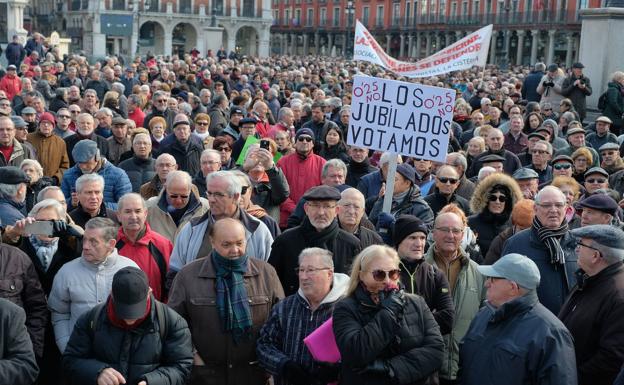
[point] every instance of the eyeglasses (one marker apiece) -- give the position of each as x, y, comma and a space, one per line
226, 149
321, 206
299, 270
449, 230
216, 194
539, 152
444, 180
304, 138
202, 123
64, 116
557, 205
562, 166
499, 198
579, 244
178, 196
595, 180
380, 275
547, 109
75, 112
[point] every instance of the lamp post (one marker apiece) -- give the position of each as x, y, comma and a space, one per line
350, 9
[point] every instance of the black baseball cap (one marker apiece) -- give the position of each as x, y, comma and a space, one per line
129, 293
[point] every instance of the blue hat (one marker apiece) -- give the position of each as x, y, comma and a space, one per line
304, 131
407, 172
606, 235
600, 202
84, 151
525, 173
514, 267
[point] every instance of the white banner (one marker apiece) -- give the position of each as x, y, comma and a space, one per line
404, 118
470, 51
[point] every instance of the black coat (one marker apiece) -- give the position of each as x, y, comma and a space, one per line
17, 359
411, 346
138, 354
529, 87
437, 201
187, 157
355, 172
593, 313
290, 243
487, 226
140, 171
71, 141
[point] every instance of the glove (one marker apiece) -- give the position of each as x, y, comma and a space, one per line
295, 373
393, 301
377, 368
62, 229
327, 371
385, 223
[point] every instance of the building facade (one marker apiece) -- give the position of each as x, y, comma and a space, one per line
161, 27
12, 14
525, 31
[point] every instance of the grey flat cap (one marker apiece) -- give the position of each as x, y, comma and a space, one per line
28, 110
597, 170
525, 173
610, 146
514, 267
605, 235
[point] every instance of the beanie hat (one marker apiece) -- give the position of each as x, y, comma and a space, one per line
523, 213
406, 225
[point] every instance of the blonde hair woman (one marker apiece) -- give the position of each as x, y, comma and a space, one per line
384, 335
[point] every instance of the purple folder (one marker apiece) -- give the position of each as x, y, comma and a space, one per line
322, 343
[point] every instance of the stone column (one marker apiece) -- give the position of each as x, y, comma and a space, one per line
317, 42
534, 46
168, 43
437, 42
417, 45
507, 45
293, 44
428, 46
330, 43
569, 50
402, 49
520, 51
306, 47
550, 52
410, 45
264, 40
493, 47
388, 40
284, 41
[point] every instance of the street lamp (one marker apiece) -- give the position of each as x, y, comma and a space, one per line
349, 11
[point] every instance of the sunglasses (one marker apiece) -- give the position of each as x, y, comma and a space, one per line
499, 198
244, 189
562, 166
304, 139
380, 275
444, 180
202, 123
597, 180
226, 149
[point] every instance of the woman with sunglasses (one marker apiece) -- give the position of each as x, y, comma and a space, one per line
491, 203
384, 335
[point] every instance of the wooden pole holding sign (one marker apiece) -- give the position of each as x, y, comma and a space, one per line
387, 202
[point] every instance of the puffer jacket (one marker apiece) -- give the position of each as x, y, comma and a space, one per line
468, 295
411, 345
412, 204
485, 224
116, 183
139, 354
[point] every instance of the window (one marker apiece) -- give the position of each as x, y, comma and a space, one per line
276, 20
396, 14
454, 9
365, 15
310, 17
297, 17
323, 20
475, 8
464, 11
336, 17
287, 17
379, 18
423, 11
442, 10
407, 13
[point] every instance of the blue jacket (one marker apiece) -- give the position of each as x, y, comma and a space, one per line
116, 183
529, 87
556, 281
370, 184
10, 212
519, 343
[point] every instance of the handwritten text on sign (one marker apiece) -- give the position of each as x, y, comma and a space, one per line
404, 118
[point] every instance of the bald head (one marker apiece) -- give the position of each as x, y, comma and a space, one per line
228, 239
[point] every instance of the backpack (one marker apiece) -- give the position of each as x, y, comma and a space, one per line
602, 101
160, 317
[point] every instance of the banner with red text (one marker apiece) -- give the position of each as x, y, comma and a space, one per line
469, 51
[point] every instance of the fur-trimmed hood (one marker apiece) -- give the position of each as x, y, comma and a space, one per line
479, 200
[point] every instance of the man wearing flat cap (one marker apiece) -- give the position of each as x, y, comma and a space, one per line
594, 310
119, 142
611, 160
577, 88
562, 165
494, 142
596, 178
319, 229
52, 150
597, 209
514, 339
13, 183
576, 139
132, 338
602, 133
528, 180
302, 162
184, 149
90, 161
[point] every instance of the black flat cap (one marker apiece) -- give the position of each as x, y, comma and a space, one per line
492, 158
600, 202
13, 175
322, 193
564, 158
247, 121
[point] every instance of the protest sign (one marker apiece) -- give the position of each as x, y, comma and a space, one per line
469, 51
404, 118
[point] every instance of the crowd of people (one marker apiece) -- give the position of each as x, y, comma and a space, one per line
191, 220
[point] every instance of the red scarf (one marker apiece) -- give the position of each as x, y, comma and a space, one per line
120, 323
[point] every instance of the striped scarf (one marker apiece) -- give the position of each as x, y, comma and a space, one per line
232, 303
551, 237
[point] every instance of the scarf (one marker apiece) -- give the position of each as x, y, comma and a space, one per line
550, 237
323, 238
45, 250
232, 303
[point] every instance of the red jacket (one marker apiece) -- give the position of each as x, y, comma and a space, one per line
301, 176
140, 253
11, 86
138, 116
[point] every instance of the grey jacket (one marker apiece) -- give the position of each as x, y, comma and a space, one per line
79, 286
